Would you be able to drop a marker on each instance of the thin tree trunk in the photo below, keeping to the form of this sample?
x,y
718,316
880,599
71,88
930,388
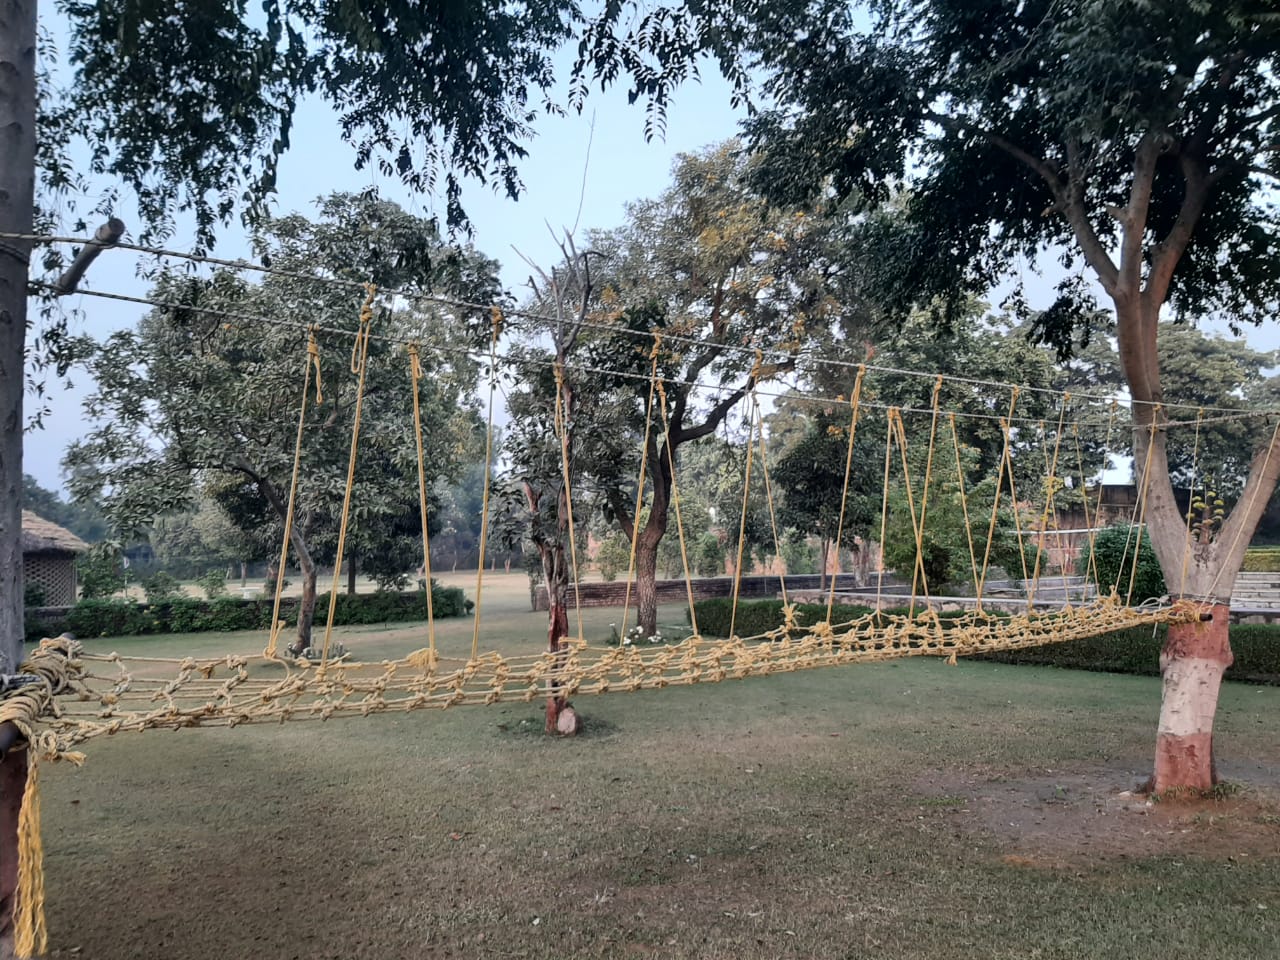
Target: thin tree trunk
x,y
17,202
351,575
306,604
647,586
556,573
244,574
13,782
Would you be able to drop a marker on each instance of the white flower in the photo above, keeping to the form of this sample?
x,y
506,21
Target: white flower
x,y
627,641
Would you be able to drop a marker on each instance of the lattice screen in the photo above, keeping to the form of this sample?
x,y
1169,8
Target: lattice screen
x,y
55,573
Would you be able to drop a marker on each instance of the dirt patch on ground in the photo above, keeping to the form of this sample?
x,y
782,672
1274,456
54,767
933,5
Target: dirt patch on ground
x,y
1066,818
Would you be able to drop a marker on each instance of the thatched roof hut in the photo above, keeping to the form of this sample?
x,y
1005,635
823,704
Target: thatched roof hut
x,y
42,536
49,559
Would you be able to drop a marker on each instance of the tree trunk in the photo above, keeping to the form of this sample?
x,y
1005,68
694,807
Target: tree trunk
x,y
306,604
351,575
823,550
647,586
13,782
556,573
17,202
244,574
1192,663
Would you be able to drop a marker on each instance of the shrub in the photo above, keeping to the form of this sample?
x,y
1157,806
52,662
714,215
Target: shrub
x,y
612,556
760,616
160,587
1262,560
100,572
1114,556
33,595
214,584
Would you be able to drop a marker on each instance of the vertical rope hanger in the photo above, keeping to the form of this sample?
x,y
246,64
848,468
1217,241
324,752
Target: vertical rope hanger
x,y
640,481
995,502
675,500
742,528
495,321
415,374
359,366
964,510
1051,480
1142,505
855,401
1191,496
562,432
768,494
313,361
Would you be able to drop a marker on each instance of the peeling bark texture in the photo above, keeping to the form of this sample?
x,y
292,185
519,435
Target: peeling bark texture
x,y
13,781
17,200
647,587
557,629
1194,658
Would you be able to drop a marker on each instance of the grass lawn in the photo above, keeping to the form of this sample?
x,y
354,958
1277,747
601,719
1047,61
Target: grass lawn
x,y
900,810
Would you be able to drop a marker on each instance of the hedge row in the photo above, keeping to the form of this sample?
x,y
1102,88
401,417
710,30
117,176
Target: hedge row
x,y
1135,650
1262,560
113,618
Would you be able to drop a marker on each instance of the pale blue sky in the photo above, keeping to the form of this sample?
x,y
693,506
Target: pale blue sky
x,y
622,166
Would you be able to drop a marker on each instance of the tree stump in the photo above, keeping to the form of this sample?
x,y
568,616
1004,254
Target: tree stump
x,y
568,722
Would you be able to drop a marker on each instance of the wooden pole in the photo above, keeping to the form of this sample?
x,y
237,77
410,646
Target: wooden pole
x,y
107,235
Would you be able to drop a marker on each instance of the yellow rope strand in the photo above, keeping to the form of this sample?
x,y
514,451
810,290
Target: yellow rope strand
x,y
359,366
1091,567
884,499
1051,480
1142,505
768,490
855,402
964,509
928,476
918,577
640,481
1191,496
562,432
496,324
415,375
313,360
742,529
995,503
675,500
30,931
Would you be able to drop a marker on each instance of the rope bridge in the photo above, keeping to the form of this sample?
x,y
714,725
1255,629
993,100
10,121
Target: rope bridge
x,y
66,697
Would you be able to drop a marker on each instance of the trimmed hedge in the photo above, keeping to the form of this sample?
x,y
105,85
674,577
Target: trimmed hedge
x,y
1135,650
113,618
1262,560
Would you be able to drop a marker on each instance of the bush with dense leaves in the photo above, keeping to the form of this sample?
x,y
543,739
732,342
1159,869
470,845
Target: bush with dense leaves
x,y
110,617
1262,560
1113,551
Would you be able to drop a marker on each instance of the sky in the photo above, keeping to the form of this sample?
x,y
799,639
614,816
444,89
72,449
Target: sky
x,y
596,161
582,169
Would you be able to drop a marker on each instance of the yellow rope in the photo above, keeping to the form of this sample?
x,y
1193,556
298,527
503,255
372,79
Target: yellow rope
x,y
359,366
884,499
1051,480
964,509
640,481
415,375
313,360
675,500
768,492
995,502
30,931
1142,503
562,432
1191,496
1091,567
918,576
855,402
496,326
928,476
742,529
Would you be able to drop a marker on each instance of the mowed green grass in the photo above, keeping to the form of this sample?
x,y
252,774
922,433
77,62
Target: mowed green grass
x,y
899,810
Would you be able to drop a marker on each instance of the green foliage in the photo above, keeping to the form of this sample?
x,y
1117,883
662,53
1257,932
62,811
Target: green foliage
x,y
1114,555
708,556
160,587
797,553
214,584
33,595
99,571
612,556
108,618
1256,648
1262,560
756,617
85,520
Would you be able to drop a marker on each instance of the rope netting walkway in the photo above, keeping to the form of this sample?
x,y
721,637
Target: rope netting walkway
x,y
67,696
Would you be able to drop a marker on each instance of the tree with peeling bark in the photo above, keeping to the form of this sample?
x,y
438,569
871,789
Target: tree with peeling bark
x,y
1134,140
542,501
716,272
206,393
